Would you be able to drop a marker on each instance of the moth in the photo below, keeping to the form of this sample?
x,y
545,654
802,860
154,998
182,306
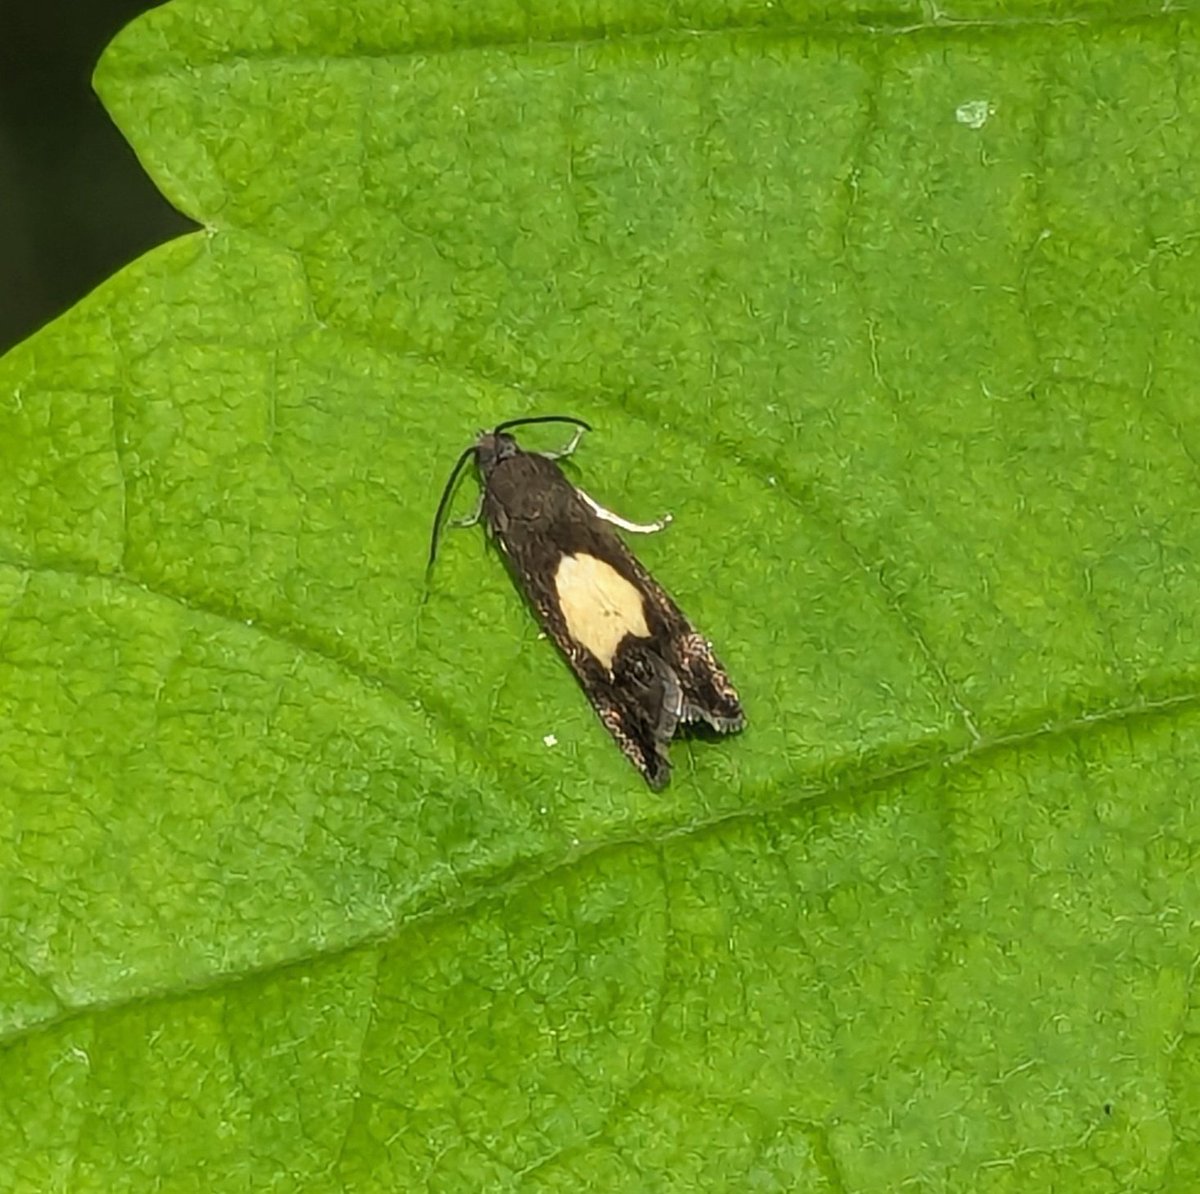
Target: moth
x,y
643,666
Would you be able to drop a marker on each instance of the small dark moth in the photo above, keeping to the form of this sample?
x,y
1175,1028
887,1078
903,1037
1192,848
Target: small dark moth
x,y
643,666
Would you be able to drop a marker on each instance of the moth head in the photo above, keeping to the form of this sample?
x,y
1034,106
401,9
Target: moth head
x,y
492,447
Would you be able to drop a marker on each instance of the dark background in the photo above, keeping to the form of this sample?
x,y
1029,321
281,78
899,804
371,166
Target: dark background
x,y
75,204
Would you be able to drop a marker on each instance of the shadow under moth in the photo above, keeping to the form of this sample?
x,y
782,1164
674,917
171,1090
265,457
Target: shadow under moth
x,y
643,666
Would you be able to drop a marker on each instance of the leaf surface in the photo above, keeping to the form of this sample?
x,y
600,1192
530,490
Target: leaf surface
x,y
895,311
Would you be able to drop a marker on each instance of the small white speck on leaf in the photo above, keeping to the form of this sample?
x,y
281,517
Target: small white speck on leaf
x,y
974,113
550,740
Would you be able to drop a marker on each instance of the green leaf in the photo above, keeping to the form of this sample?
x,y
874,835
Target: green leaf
x,y
894,306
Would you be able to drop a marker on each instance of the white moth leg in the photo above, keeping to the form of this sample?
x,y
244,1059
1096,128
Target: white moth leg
x,y
636,528
471,519
568,449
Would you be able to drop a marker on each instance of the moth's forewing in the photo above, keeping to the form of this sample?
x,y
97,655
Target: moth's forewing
x,y
640,662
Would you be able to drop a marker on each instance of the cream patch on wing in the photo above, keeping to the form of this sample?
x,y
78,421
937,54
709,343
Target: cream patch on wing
x,y
599,605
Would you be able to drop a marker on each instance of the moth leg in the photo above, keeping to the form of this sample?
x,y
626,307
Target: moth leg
x,y
471,519
636,528
568,449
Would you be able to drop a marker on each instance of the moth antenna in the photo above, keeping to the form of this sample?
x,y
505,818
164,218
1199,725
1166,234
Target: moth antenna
x,y
444,502
540,419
